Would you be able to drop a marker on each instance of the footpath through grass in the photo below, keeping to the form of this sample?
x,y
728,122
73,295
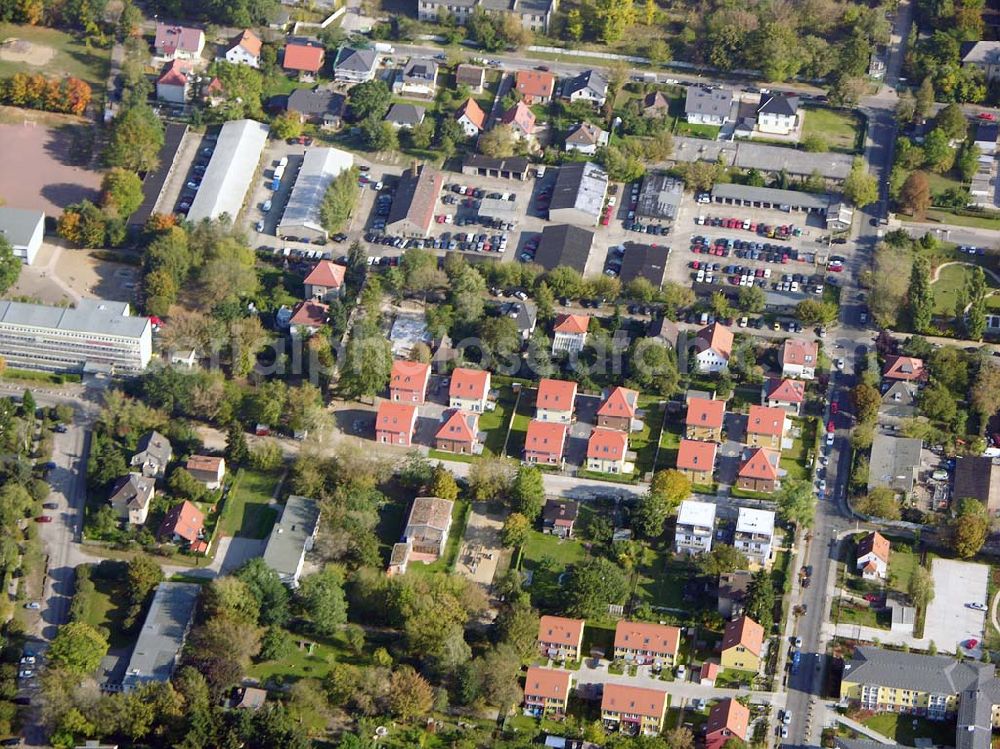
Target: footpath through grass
x,y
247,510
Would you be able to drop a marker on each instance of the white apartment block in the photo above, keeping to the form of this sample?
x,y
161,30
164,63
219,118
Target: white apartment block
x,y
695,527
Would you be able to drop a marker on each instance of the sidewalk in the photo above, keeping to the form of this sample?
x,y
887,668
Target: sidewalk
x,y
864,730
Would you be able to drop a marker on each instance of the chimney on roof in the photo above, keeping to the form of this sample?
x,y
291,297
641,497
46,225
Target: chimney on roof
x,y
413,167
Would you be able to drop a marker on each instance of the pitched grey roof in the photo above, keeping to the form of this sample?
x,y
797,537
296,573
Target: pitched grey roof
x,y
420,70
18,225
591,79
936,674
975,713
714,102
317,102
291,536
894,462
644,261
981,53
899,401
155,446
524,315
163,633
585,134
405,114
358,60
582,185
563,244
135,490
779,104
812,201
230,170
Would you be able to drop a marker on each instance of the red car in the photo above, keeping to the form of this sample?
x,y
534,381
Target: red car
x,y
972,643
830,427
834,407
43,519
872,597
987,116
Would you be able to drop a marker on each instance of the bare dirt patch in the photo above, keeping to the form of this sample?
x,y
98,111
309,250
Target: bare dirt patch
x,y
23,51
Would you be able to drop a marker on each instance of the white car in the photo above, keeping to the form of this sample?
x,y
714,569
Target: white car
x,y
701,276
795,286
786,717
267,206
821,484
840,364
612,201
829,439
783,732
798,642
681,671
976,605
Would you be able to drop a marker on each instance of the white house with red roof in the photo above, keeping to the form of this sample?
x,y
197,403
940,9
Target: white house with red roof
x,y
696,460
759,470
469,389
175,83
713,346
408,381
607,450
569,335
308,317
545,442
873,556
244,49
767,427
798,358
905,368
471,117
325,281
784,393
555,400
178,42
459,433
395,423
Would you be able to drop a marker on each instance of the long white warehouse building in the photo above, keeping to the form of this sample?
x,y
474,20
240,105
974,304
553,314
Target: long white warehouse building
x,y
97,334
230,170
320,167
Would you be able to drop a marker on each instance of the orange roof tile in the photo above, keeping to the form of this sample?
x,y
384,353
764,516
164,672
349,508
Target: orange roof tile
x,y
572,324
746,632
799,351
184,520
397,418
654,638
560,630
766,420
785,390
469,384
716,336
709,670
621,698
695,455
760,463
620,402
903,368
729,715
545,437
205,463
556,395
409,375
311,314
176,73
548,683
326,274
702,412
473,112
460,426
303,57
874,543
535,83
607,444
249,41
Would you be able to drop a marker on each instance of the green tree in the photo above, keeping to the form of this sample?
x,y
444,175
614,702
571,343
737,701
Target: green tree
x,y
442,483
970,527
722,559
760,600
595,584
880,502
921,297
527,493
322,596
975,321
498,143
924,99
182,484
267,589
654,367
860,187
286,125
368,364
951,121
339,200
921,588
866,401
121,192
237,451
938,153
815,312
370,100
410,694
796,502
135,141
10,266
613,18
143,576
516,530
379,135
751,299
78,648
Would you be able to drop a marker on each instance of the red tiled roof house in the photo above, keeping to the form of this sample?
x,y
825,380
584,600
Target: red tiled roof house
x,y
471,117
207,469
555,401
767,426
607,450
303,58
728,719
873,556
560,638
633,710
696,460
408,381
534,86
759,470
783,393
905,368
742,645
458,433
704,419
546,691
395,423
569,334
183,522
178,42
713,347
644,643
325,281
544,443
469,389
618,409
798,358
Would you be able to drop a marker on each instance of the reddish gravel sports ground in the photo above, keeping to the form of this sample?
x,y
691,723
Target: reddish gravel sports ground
x,y
35,171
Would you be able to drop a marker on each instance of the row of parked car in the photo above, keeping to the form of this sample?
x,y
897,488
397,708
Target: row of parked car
x,y
194,180
765,230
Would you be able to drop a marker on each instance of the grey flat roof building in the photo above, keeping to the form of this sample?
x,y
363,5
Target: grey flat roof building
x,y
230,170
23,228
578,196
319,168
164,630
564,245
660,196
99,332
291,537
770,197
894,462
764,158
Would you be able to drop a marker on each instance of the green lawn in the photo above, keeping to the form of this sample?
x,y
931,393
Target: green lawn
x,y
108,609
708,132
660,580
793,461
977,222
71,55
941,182
459,519
901,728
519,426
300,664
644,442
495,422
670,441
246,511
837,128
866,616
548,558
902,563
950,280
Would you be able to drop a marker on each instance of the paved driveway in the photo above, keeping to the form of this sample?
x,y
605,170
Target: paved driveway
x,y
949,621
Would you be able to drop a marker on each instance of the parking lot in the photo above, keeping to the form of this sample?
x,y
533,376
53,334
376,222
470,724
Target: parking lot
x,y
950,622
186,172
